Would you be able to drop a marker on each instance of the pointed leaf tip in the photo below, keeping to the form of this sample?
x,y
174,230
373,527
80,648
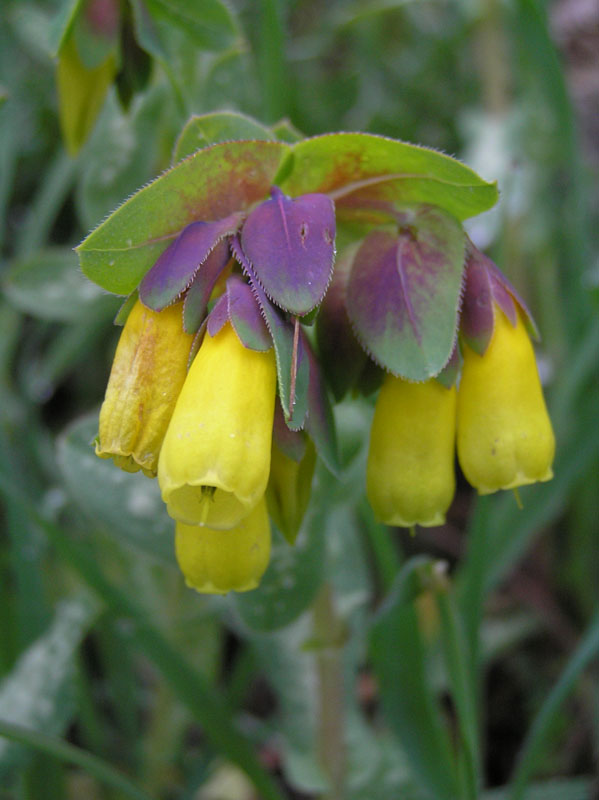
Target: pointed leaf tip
x,y
202,285
246,316
174,270
289,374
290,243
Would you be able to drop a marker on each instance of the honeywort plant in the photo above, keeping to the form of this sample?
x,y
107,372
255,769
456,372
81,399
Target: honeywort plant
x,y
219,383
357,668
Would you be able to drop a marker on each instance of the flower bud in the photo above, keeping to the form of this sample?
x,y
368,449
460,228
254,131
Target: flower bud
x,y
217,562
505,438
215,459
289,488
410,474
147,374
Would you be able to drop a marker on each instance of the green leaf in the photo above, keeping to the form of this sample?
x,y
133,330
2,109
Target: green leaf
x,y
221,126
464,689
62,24
208,185
558,789
49,285
70,754
54,187
190,685
208,23
81,92
146,32
97,35
408,699
285,131
586,652
135,514
359,169
291,671
115,164
37,694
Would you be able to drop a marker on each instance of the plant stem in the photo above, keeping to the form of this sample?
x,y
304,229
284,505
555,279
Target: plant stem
x,y
491,47
330,733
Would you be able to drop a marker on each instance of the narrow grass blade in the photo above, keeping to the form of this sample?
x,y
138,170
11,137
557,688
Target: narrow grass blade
x,y
202,698
587,650
37,693
463,688
64,751
400,664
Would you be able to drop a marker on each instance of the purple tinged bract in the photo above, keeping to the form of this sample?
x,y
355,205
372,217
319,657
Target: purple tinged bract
x,y
293,372
175,269
239,307
486,288
404,290
290,243
200,289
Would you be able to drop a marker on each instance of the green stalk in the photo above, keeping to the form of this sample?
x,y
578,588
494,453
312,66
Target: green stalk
x,y
330,734
64,751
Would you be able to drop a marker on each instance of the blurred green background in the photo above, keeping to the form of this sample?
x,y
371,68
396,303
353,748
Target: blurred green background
x,y
359,669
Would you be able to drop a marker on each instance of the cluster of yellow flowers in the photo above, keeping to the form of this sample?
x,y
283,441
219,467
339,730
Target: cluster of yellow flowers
x,y
206,433
203,425
497,414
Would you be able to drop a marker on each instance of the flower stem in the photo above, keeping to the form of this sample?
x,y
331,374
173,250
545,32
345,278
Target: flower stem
x,y
330,732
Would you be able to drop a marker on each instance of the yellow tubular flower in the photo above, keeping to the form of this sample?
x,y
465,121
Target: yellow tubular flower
x,y
505,437
410,476
217,562
215,459
147,374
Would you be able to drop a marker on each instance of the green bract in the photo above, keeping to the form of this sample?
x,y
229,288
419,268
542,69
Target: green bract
x,y
356,169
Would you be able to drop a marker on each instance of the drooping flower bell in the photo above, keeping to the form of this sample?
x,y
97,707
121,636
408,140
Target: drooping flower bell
x,y
217,562
402,299
410,474
292,465
504,433
147,374
215,459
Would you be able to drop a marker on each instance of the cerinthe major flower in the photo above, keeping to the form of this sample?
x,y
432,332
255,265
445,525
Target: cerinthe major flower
x,y
232,430
504,434
217,562
147,374
215,460
396,285
505,438
410,474
207,431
